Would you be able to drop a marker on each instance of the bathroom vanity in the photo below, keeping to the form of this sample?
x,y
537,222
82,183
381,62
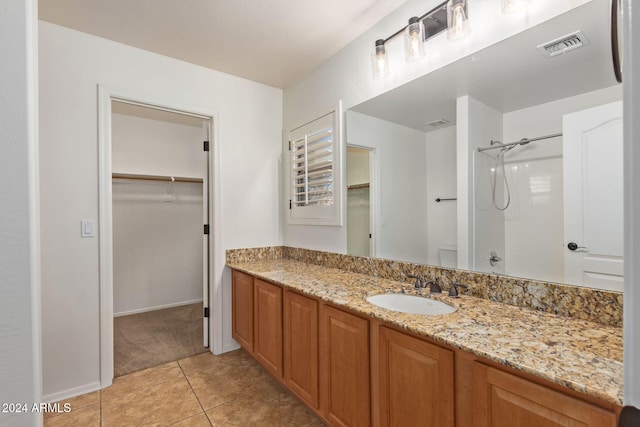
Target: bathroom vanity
x,y
486,364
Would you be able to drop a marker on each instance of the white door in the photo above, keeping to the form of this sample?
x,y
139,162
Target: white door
x,y
207,233
593,197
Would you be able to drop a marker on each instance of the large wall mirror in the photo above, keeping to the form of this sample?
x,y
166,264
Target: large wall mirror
x,y
508,161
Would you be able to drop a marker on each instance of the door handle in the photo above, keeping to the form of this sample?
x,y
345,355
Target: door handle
x,y
572,246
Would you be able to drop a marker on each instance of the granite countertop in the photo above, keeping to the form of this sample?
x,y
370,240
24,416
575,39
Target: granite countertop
x,y
581,355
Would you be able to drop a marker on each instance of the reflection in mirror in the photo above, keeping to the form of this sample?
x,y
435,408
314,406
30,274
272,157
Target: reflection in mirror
x,y
545,209
359,200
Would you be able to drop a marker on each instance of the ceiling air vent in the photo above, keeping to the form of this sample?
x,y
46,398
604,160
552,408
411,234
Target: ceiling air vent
x,y
436,123
563,44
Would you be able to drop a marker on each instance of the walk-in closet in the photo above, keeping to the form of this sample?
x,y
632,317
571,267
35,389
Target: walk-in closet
x,y
158,208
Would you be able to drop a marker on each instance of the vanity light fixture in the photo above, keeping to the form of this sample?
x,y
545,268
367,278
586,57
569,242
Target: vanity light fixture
x,y
414,40
380,61
416,33
510,6
457,20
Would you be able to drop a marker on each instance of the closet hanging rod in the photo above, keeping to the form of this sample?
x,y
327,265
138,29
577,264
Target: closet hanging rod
x,y
155,177
356,186
521,142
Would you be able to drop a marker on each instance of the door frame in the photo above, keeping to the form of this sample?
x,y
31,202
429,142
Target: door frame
x,y
105,228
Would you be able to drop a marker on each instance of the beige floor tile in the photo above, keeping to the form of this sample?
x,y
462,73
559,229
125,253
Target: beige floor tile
x,y
214,386
200,420
162,404
77,402
88,416
167,373
269,405
207,361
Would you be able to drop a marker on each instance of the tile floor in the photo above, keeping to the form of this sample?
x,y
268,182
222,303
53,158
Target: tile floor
x,y
203,390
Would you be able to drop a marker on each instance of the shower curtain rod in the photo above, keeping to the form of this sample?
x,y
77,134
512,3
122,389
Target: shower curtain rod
x,y
521,142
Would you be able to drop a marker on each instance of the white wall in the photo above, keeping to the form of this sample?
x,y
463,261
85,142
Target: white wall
x,y
347,76
536,218
154,147
480,227
399,190
248,129
20,366
157,245
441,183
157,226
357,166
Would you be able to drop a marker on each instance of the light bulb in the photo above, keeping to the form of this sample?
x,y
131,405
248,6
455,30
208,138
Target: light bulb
x,y
510,6
414,40
457,20
379,61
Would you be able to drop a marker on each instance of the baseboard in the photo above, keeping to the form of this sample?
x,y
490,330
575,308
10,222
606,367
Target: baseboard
x,y
158,307
230,346
72,392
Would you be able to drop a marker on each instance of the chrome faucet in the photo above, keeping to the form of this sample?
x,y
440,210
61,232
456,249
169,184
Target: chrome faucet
x,y
453,290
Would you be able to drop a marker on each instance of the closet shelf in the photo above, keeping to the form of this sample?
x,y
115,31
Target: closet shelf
x,y
155,177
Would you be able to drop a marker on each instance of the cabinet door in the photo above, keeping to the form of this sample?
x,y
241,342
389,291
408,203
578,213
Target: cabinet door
x,y
344,368
501,399
242,309
301,346
415,380
267,344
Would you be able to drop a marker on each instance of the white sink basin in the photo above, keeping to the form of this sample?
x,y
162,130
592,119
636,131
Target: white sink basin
x,y
410,304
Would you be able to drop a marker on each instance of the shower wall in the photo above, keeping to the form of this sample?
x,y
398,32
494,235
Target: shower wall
x,y
480,231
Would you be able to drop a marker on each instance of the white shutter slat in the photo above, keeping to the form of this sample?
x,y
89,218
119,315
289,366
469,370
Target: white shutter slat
x,y
312,138
323,182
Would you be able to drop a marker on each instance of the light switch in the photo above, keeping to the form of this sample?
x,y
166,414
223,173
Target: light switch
x,y
88,228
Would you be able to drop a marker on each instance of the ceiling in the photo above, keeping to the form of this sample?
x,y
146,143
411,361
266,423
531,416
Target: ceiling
x,y
509,75
275,42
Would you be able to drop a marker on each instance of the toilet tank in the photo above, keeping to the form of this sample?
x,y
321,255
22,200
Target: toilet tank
x,y
448,256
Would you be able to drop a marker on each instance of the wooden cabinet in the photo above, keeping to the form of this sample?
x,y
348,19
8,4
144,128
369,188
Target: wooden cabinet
x,y
501,399
344,368
327,357
414,381
300,335
242,309
267,338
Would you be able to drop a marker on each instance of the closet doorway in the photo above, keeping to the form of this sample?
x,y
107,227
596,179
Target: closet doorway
x,y
360,200
160,211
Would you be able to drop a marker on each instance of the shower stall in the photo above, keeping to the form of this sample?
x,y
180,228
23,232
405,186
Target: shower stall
x,y
518,208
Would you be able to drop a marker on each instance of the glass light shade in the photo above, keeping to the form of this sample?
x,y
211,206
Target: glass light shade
x,y
510,6
380,61
414,40
457,20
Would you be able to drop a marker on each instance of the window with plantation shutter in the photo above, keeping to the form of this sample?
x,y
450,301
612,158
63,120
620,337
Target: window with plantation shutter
x,y
314,164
